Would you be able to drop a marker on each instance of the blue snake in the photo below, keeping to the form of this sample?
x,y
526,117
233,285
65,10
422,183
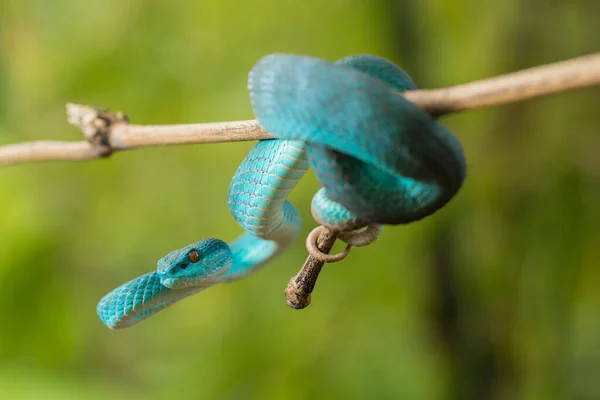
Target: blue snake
x,y
379,158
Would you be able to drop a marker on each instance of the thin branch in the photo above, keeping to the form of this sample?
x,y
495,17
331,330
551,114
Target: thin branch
x,y
299,289
508,88
132,136
533,82
45,150
121,135
538,81
107,132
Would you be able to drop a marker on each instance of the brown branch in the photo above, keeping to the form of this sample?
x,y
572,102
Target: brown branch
x,y
533,82
107,132
299,289
509,88
538,81
44,150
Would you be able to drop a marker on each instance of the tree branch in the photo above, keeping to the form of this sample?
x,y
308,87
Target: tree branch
x,y
576,73
107,132
120,135
299,289
563,76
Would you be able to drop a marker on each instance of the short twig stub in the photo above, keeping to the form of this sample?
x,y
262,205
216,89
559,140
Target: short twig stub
x,y
96,124
299,289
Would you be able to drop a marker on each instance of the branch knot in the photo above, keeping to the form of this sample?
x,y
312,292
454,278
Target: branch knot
x,y
97,125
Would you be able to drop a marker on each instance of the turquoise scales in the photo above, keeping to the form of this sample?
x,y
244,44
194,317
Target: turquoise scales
x,y
379,158
257,200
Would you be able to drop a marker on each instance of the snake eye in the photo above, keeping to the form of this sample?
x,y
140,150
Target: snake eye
x,y
194,256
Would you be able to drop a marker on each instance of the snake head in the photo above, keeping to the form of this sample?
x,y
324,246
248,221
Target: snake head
x,y
199,264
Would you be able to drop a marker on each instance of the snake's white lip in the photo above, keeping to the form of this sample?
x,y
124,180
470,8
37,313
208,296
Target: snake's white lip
x,y
172,282
167,281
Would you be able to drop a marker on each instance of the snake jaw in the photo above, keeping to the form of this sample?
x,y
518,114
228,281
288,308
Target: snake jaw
x,y
184,281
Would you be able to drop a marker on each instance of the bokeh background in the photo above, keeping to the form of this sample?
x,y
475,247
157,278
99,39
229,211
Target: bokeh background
x,y
496,296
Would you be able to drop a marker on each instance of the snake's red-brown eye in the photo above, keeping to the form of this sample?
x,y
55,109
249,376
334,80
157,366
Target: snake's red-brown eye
x,y
194,256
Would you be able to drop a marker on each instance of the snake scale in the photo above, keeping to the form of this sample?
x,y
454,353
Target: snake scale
x,y
379,158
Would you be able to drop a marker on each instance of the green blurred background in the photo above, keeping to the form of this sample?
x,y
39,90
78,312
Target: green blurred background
x,y
494,297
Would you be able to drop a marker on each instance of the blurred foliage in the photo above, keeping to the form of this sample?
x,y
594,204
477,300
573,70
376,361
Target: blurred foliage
x,y
496,296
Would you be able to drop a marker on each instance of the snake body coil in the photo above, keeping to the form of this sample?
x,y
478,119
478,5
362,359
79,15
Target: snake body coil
x,y
379,158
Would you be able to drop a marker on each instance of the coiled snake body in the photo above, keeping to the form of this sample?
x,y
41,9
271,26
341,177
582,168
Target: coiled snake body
x,y
379,158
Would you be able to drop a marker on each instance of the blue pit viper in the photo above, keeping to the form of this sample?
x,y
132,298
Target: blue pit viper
x,y
379,158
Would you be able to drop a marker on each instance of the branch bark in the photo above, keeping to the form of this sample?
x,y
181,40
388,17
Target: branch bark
x,y
106,132
526,84
299,289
